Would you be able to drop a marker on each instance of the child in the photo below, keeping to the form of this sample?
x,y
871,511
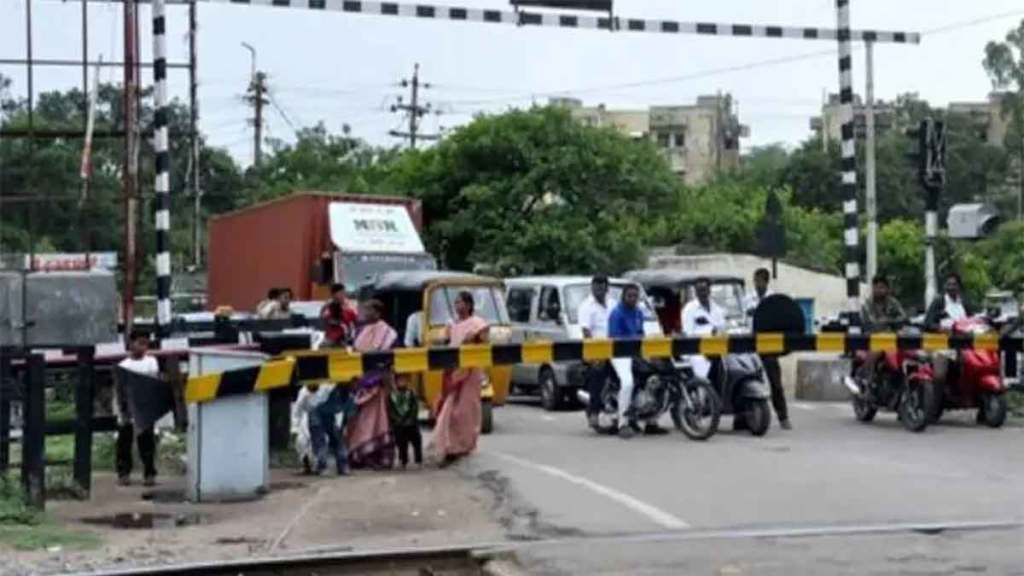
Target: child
x,y
308,399
403,411
140,362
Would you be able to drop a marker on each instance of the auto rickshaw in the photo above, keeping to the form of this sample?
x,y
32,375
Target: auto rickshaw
x,y
432,293
670,290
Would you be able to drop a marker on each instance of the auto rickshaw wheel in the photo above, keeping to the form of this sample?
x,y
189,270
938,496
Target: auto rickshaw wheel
x,y
486,416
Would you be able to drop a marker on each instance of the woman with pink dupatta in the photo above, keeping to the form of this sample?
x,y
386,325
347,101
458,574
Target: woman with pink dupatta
x,y
368,435
458,413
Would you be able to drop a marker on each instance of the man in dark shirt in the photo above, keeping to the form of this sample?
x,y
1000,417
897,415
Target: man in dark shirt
x,y
881,313
627,321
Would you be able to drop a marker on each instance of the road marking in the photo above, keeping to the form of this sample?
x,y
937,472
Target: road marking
x,y
658,516
547,418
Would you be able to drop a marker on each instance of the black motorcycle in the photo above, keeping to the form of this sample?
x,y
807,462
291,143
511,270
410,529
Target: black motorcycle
x,y
660,387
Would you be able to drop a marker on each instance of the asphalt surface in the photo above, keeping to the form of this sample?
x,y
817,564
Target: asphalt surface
x,y
832,496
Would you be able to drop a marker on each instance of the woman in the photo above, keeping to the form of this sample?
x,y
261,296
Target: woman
x,y
458,413
368,435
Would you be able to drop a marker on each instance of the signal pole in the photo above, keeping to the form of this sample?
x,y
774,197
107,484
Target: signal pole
x,y
413,110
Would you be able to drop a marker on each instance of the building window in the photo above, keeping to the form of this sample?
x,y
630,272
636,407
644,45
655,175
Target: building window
x,y
664,140
680,140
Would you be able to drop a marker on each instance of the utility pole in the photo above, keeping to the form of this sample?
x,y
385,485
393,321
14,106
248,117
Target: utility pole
x,y
413,110
193,94
871,192
257,99
129,180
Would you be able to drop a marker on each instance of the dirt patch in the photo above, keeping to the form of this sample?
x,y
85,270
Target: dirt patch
x,y
144,520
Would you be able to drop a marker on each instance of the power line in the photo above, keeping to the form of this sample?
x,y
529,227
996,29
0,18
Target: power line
x,y
414,111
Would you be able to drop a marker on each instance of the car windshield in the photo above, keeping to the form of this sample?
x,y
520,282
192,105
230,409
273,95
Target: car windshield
x,y
489,303
360,269
575,294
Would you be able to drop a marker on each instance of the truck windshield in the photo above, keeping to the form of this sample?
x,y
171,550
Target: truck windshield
x,y
356,270
488,300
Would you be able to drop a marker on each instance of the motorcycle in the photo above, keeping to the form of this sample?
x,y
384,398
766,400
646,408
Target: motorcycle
x,y
739,380
973,380
659,388
901,382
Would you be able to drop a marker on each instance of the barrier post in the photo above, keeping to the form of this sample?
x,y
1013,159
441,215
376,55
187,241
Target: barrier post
x,y
33,439
85,393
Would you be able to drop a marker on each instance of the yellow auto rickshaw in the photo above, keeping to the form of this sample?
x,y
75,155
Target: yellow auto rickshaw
x,y
431,294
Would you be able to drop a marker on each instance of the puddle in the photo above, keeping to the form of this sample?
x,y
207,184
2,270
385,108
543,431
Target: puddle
x,y
164,496
144,520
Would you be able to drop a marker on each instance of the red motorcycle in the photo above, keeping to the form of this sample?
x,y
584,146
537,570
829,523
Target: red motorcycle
x,y
973,380
901,382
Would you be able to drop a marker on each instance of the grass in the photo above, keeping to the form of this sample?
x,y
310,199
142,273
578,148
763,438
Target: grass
x,y
25,528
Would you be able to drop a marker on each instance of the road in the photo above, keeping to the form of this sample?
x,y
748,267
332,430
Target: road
x,y
831,496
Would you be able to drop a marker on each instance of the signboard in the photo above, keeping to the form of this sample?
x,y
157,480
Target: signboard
x,y
373,228
62,261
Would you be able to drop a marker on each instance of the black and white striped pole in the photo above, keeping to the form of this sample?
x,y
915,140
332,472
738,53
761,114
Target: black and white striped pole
x,y
162,185
851,232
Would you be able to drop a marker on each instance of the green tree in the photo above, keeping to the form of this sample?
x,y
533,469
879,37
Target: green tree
x,y
539,192
1004,63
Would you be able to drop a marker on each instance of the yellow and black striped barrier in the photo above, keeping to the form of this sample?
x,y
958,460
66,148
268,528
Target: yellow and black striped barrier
x,y
338,365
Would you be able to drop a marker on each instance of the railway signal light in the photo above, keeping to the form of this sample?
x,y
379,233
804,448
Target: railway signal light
x,y
930,155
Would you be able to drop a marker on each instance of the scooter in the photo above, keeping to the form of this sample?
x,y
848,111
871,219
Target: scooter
x,y
901,382
741,383
659,387
973,380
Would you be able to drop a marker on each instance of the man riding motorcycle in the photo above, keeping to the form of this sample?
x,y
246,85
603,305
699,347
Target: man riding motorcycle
x,y
627,321
942,313
881,313
702,317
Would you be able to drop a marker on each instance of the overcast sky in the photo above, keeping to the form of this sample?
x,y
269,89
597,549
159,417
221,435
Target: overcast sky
x,y
344,68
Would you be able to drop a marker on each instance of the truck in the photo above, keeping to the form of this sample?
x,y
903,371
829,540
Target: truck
x,y
309,240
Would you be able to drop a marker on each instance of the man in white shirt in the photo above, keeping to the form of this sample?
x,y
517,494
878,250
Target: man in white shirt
x,y
593,319
413,330
140,362
702,317
771,363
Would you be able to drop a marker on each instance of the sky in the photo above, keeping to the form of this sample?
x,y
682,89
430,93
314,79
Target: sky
x,y
346,69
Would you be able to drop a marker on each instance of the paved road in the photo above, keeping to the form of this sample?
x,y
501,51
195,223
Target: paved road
x,y
811,500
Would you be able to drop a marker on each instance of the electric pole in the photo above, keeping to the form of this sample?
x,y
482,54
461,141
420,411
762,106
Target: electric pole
x,y
413,110
257,99
129,180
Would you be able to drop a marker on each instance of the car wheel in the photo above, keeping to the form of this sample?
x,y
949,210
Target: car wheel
x,y
550,395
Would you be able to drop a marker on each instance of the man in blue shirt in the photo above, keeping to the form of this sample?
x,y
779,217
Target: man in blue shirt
x,y
627,321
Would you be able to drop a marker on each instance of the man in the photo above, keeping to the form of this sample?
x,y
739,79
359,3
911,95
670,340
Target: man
x,y
339,318
626,320
140,362
278,306
762,277
265,306
942,313
881,313
702,317
413,330
949,307
593,318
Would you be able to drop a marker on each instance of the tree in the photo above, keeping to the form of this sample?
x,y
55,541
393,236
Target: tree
x,y
538,192
1004,62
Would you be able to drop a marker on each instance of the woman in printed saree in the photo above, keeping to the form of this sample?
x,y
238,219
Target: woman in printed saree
x,y
368,435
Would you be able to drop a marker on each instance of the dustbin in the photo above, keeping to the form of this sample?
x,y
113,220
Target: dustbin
x,y
807,307
228,449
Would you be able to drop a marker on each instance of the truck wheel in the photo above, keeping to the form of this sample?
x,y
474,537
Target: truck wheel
x,y
550,395
486,416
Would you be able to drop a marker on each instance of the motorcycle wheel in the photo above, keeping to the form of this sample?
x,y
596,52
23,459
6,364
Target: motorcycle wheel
x,y
993,409
697,413
916,407
758,417
863,409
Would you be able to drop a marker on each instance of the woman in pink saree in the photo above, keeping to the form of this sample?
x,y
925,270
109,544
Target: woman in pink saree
x,y
368,435
458,413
